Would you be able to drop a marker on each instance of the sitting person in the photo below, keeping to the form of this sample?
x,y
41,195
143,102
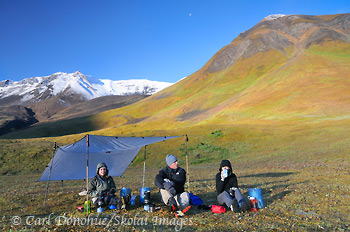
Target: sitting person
x,y
227,188
102,188
171,180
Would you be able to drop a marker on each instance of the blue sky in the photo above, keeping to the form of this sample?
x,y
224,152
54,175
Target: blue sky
x,y
162,40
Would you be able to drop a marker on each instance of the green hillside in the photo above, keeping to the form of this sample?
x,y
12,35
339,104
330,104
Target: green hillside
x,y
274,108
263,88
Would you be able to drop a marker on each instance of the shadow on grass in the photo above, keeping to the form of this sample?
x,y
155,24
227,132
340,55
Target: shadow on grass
x,y
54,129
270,174
272,189
276,185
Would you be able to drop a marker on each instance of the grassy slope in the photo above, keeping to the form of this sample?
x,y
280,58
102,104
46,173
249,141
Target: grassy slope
x,y
263,88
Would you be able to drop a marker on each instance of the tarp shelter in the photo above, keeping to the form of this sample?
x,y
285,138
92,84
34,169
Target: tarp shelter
x,y
69,162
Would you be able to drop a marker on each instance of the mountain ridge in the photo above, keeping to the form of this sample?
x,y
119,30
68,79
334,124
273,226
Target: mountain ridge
x,y
41,98
34,89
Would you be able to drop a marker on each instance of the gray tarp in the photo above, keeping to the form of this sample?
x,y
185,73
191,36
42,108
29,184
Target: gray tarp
x,y
69,162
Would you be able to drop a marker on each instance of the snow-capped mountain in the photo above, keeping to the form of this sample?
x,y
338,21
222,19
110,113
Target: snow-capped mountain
x,y
35,89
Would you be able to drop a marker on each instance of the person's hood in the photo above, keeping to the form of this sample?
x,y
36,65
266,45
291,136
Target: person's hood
x,y
225,163
100,165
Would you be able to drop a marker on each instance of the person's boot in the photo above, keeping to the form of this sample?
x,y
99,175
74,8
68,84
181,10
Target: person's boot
x,y
245,207
172,203
186,209
234,207
117,202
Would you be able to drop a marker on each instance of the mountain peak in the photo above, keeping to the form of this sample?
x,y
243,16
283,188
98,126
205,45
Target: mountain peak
x,y
280,32
5,83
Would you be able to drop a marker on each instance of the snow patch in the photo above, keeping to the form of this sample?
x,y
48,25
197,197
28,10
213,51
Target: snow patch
x,y
127,87
274,16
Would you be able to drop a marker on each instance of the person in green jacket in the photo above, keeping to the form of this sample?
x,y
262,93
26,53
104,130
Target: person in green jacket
x,y
102,188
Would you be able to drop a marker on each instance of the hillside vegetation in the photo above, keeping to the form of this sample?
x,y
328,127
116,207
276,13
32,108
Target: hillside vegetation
x,y
266,88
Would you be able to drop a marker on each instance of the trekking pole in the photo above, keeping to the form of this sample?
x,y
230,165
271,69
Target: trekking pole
x,y
188,173
48,182
144,168
87,174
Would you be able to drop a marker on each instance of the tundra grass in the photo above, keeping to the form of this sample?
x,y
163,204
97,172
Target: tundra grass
x,y
302,169
314,197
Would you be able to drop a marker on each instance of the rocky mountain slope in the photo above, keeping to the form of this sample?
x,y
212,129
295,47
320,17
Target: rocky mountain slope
x,y
96,105
15,117
280,33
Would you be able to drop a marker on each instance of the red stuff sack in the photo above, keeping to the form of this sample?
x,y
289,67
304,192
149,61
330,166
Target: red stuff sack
x,y
218,209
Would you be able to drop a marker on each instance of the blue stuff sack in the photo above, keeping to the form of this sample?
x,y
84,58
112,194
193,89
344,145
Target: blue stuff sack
x,y
195,200
257,194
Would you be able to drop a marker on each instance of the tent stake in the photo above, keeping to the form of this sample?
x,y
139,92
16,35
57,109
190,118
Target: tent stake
x,y
87,174
48,182
144,168
188,173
